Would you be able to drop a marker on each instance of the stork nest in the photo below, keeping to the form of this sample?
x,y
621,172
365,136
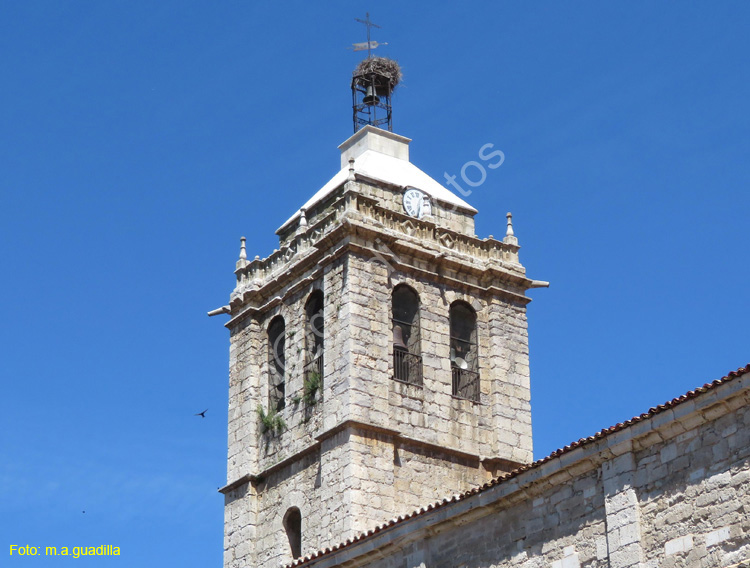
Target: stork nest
x,y
385,70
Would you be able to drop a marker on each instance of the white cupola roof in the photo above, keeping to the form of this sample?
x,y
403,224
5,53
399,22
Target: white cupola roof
x,y
382,156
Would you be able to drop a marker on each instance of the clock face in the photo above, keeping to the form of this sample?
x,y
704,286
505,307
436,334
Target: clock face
x,y
416,203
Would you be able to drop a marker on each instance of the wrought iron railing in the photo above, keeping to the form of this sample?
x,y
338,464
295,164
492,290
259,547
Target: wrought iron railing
x,y
465,384
314,366
407,367
312,376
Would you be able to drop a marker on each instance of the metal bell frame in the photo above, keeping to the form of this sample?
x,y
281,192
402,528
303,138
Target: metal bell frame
x,y
371,101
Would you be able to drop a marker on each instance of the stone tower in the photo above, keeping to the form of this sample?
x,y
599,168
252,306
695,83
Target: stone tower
x,y
378,360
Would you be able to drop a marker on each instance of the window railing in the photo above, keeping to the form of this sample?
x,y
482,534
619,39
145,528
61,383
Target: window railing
x,y
314,366
407,367
312,380
465,384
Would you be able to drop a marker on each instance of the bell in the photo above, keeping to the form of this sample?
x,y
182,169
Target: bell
x,y
398,337
370,97
461,363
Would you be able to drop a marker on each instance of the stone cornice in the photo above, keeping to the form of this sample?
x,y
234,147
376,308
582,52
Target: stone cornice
x,y
264,293
397,438
267,282
353,204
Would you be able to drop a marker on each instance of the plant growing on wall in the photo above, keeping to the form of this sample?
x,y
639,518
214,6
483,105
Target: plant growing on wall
x,y
311,388
271,421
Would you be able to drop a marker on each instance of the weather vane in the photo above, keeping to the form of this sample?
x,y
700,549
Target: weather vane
x,y
369,45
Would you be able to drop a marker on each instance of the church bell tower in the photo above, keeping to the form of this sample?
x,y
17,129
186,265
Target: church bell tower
x,y
378,359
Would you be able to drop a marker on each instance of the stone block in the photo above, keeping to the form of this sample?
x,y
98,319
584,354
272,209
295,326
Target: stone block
x,y
677,545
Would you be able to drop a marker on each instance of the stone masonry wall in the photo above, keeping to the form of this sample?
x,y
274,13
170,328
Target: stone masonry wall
x,y
244,392
348,485
672,491
250,450
498,426
694,495
354,481
558,524
253,527
369,447
392,478
510,394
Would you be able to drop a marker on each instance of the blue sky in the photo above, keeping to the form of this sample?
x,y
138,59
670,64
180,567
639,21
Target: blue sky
x,y
142,139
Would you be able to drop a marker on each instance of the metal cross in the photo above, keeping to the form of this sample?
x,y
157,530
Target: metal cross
x,y
369,25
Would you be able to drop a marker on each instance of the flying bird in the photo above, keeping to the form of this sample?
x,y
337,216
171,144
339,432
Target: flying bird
x,y
201,414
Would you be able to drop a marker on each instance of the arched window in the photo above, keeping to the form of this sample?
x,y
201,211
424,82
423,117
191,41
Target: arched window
x,y
276,364
463,352
293,528
314,343
407,357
